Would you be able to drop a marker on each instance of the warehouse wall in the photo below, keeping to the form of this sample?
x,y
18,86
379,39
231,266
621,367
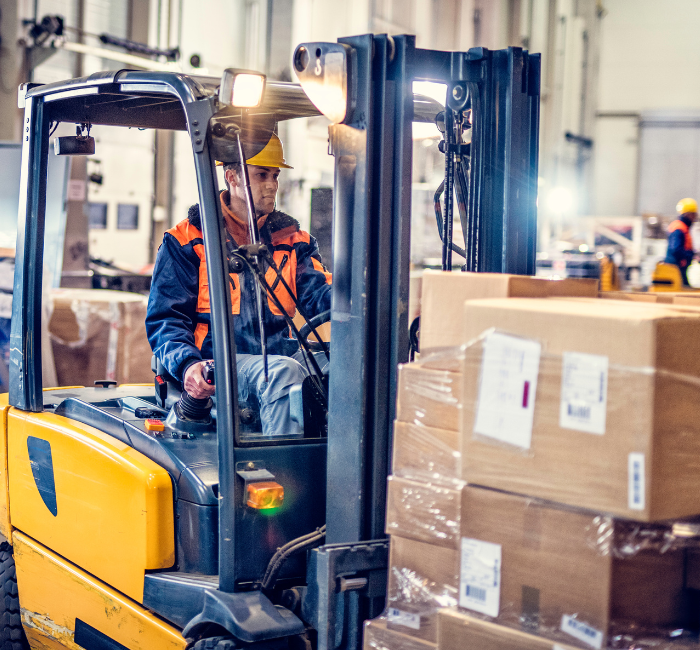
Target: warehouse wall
x,y
648,61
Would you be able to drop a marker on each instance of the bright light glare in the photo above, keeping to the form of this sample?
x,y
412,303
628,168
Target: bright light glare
x,y
560,200
331,100
328,88
435,91
583,248
425,130
247,90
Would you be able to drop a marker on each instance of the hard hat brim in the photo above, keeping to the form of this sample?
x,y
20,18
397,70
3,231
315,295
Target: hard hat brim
x,y
279,165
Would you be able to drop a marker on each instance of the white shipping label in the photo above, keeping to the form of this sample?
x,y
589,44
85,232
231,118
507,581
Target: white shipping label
x,y
506,405
407,619
636,485
582,631
480,576
584,392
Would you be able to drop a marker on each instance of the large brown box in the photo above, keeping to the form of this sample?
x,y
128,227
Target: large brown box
x,y
99,334
429,397
378,635
692,568
644,465
444,294
457,631
422,579
635,296
427,512
425,453
566,568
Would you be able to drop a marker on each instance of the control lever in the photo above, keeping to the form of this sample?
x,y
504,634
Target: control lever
x,y
192,408
208,372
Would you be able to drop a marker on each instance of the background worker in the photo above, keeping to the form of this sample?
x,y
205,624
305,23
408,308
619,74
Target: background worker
x,y
178,317
680,243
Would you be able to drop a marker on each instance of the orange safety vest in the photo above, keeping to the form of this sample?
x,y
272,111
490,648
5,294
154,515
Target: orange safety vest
x,y
682,226
284,252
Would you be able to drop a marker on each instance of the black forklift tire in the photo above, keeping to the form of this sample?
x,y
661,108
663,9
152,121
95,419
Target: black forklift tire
x,y
212,643
12,635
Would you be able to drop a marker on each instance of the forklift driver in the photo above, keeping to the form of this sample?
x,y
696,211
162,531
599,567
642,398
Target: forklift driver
x,y
178,317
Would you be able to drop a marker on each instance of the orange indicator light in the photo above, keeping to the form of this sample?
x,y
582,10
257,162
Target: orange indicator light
x,y
154,425
265,496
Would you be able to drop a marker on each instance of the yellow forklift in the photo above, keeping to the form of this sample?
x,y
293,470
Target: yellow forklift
x,y
131,523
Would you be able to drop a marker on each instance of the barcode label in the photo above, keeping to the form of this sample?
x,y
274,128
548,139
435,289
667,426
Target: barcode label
x,y
579,412
507,389
636,482
584,392
407,619
480,576
582,631
475,592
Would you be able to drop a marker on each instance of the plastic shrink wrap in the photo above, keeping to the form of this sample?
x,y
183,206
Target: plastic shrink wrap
x,y
592,403
99,334
558,573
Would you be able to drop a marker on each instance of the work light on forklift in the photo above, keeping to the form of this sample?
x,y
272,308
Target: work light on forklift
x,y
265,496
325,74
241,88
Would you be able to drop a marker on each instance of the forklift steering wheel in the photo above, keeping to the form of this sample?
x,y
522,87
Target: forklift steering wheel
x,y
305,331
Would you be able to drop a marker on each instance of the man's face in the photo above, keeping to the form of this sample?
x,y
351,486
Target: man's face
x,y
263,187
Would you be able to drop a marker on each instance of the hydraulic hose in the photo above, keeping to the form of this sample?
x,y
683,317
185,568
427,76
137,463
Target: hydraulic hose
x,y
438,216
311,540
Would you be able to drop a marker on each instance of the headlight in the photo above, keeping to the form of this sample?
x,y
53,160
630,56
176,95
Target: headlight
x,y
241,88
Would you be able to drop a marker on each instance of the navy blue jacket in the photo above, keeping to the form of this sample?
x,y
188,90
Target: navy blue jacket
x,y
178,318
680,245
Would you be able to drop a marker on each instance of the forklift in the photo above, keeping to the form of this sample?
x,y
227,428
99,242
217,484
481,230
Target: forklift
x,y
130,519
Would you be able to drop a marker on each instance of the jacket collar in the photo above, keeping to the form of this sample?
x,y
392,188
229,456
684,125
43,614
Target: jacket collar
x,y
278,224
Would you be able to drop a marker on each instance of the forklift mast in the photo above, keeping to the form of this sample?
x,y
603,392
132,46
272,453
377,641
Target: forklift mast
x,y
371,253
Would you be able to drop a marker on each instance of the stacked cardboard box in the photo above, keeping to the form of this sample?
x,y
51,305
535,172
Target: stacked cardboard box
x,y
99,334
574,426
444,294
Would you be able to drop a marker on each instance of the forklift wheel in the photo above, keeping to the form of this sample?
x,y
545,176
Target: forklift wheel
x,y
12,635
212,643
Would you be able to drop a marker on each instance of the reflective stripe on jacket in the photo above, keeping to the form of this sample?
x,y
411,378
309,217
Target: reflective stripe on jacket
x,y
178,318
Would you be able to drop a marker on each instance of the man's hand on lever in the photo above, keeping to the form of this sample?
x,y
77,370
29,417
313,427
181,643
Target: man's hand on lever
x,y
194,382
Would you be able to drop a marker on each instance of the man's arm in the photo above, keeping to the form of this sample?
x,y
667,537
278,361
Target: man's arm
x,y
313,281
172,307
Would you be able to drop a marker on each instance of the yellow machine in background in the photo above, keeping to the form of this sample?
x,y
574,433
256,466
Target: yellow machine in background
x,y
667,277
609,274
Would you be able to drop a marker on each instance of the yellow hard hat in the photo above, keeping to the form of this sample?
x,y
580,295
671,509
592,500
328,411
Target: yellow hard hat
x,y
272,155
686,205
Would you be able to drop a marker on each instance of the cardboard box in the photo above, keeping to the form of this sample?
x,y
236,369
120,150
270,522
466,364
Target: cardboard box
x,y
692,569
428,397
426,512
457,631
378,636
638,455
635,296
425,453
444,294
99,334
422,579
566,574
688,299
